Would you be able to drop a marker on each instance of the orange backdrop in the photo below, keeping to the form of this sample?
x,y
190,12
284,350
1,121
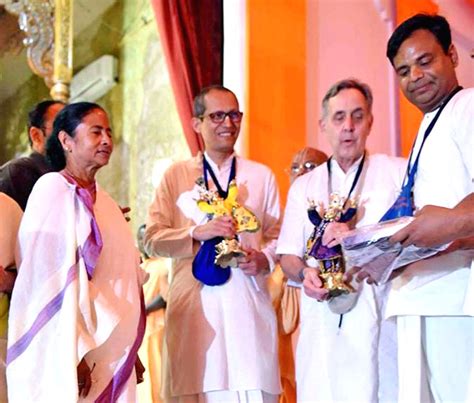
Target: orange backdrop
x,y
410,116
276,80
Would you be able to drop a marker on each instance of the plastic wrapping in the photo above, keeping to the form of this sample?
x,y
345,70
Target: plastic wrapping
x,y
368,247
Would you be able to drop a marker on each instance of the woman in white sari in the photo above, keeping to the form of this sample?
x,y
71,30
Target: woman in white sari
x,y
76,316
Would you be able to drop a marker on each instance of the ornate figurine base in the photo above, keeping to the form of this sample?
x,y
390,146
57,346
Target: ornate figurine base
x,y
332,273
335,285
227,252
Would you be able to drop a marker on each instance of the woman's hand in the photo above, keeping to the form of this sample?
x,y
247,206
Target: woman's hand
x,y
139,370
84,380
125,211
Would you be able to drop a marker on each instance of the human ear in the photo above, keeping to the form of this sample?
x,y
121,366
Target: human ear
x,y
322,124
371,120
37,138
65,140
453,55
196,124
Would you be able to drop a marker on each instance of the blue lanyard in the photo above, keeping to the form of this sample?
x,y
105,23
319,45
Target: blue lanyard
x,y
409,178
354,182
207,168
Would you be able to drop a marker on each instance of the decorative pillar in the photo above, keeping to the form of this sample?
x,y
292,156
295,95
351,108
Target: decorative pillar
x,y
63,41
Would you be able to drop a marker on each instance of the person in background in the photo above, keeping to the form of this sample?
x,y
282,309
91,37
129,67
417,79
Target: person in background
x,y
304,161
18,176
10,217
286,294
220,341
77,315
344,350
155,292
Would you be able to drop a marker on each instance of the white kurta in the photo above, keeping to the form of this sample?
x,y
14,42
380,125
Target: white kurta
x,y
223,337
441,286
332,363
57,315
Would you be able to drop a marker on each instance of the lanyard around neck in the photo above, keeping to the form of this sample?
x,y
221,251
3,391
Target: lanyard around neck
x,y
354,182
207,168
411,170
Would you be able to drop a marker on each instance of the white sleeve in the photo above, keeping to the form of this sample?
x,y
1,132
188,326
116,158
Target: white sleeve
x,y
292,239
463,130
272,221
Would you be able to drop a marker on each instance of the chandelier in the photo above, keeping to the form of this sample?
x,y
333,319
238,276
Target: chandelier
x,y
47,25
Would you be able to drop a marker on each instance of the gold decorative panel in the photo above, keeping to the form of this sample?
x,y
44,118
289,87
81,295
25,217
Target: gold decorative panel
x,y
47,25
36,20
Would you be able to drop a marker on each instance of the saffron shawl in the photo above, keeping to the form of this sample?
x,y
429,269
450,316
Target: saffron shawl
x,y
74,298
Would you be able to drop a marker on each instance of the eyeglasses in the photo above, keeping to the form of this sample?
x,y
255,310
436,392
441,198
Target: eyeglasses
x,y
307,166
219,116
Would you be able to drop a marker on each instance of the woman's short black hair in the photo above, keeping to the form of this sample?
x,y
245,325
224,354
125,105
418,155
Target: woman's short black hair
x,y
66,120
436,24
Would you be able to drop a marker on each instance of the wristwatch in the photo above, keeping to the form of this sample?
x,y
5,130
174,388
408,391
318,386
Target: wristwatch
x,y
301,274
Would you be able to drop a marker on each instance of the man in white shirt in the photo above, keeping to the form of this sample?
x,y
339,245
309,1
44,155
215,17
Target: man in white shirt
x,y
337,356
433,298
220,341
286,294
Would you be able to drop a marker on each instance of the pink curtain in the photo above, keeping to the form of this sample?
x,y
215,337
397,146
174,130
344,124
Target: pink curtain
x,y
192,36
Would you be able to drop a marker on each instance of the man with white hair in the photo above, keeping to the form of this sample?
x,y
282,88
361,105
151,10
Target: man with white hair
x,y
337,357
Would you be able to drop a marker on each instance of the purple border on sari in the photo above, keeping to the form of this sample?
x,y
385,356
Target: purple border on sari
x,y
89,252
51,308
115,387
92,248
93,244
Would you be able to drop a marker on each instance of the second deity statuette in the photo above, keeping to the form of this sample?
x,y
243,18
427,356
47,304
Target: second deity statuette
x,y
228,250
330,260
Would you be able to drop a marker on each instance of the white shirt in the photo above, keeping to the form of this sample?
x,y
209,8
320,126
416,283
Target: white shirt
x,y
385,173
341,363
439,286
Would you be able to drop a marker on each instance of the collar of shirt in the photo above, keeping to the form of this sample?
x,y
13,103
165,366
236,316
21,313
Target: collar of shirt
x,y
353,168
341,181
222,173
